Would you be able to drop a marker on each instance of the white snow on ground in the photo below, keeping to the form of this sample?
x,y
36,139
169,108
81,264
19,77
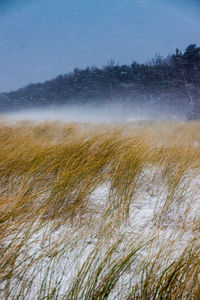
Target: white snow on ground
x,y
76,243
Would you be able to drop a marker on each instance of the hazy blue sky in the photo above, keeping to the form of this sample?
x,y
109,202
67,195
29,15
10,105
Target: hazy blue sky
x,y
40,39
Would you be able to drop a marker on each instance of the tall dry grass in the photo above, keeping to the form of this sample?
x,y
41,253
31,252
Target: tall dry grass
x,y
99,211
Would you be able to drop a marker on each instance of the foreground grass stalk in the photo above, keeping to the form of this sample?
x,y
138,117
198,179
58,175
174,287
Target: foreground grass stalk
x,y
109,212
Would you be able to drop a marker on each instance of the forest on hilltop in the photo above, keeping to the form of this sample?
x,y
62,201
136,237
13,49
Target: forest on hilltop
x,y
173,81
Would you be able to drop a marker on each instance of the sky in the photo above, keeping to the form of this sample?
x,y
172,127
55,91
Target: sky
x,y
40,39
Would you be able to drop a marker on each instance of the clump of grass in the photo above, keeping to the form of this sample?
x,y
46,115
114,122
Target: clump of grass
x,y
59,241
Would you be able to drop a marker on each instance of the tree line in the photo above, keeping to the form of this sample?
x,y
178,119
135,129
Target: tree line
x,y
173,80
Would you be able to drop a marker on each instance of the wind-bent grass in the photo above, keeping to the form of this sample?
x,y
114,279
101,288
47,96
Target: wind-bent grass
x,y
97,212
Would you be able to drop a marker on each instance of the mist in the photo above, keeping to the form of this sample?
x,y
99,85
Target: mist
x,y
101,113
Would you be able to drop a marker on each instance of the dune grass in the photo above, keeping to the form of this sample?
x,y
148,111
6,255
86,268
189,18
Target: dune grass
x,y
100,211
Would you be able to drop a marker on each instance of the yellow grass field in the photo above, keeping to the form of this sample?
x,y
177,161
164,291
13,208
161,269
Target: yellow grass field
x,y
100,211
